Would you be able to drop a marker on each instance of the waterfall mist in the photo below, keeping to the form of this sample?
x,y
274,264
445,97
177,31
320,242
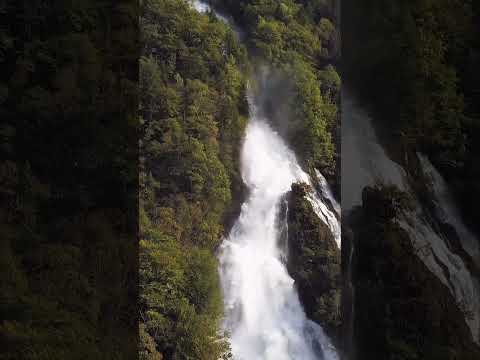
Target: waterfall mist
x,y
263,312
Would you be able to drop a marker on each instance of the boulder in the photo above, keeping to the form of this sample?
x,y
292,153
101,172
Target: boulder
x,y
314,262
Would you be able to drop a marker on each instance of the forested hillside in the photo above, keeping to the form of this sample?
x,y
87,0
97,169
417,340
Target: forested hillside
x,y
192,113
300,41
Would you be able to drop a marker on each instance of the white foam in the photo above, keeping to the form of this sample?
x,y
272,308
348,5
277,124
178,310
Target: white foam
x,y
263,312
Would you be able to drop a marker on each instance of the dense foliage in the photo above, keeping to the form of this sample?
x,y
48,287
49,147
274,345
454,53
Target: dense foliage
x,y
300,40
193,110
68,166
192,113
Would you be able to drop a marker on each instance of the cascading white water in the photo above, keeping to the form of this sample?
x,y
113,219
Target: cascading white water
x,y
263,313
203,7
326,192
365,163
200,6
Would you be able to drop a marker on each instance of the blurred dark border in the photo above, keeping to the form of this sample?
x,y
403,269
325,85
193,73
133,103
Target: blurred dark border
x,y
69,179
413,66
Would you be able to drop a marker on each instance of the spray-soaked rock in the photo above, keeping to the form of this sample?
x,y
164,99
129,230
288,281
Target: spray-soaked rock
x,y
314,261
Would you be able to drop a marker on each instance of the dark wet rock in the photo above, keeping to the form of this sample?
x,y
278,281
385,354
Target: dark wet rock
x,y
402,311
314,262
384,203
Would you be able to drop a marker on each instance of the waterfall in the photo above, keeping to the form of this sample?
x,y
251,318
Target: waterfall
x,y
263,313
327,216
200,6
326,191
203,7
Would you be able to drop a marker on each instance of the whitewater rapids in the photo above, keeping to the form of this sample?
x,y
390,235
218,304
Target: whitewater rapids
x,y
263,312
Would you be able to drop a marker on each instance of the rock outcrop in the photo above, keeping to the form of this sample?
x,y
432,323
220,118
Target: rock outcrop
x,y
314,262
401,308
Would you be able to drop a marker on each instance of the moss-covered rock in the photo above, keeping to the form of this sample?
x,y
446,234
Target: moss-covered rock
x,y
314,262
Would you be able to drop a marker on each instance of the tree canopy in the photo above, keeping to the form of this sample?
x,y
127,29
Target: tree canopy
x,y
192,113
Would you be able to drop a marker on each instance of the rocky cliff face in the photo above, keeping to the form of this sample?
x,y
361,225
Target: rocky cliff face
x,y
314,262
401,308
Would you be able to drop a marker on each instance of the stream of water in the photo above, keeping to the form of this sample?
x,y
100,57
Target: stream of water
x,y
263,313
